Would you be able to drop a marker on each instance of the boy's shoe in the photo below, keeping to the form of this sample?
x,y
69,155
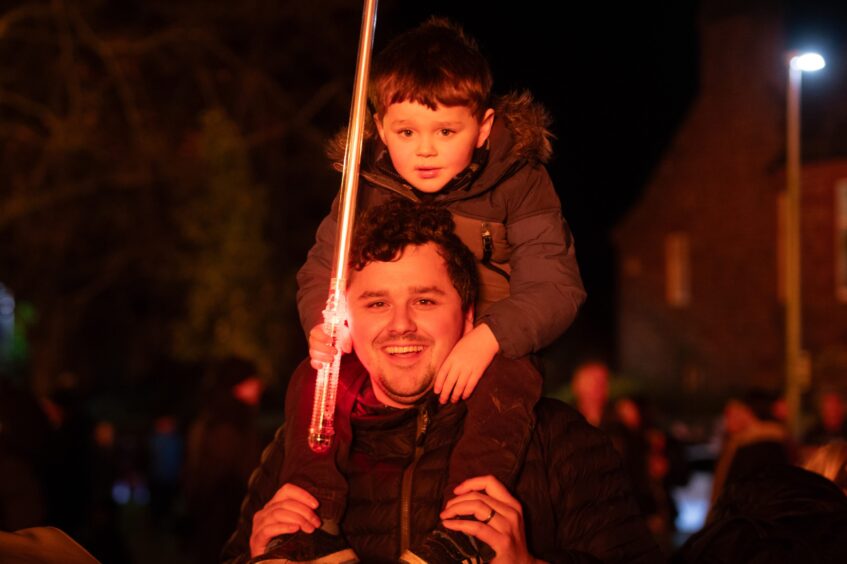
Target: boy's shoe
x,y
319,547
444,546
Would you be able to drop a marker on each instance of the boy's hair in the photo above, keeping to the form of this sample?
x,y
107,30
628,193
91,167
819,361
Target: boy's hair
x,y
384,232
434,63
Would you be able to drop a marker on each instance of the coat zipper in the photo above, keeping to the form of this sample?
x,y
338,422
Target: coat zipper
x,y
406,488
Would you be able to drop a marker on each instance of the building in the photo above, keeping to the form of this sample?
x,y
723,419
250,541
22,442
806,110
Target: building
x,y
700,255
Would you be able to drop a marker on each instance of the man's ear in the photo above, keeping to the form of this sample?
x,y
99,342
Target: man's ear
x,y
485,125
468,321
379,128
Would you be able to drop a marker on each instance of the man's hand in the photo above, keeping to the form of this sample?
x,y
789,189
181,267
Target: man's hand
x,y
320,345
464,366
499,517
291,509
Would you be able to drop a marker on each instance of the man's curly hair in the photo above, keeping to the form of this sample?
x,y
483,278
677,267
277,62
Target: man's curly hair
x,y
384,231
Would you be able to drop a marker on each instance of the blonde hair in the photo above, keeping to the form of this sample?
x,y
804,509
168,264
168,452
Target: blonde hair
x,y
830,461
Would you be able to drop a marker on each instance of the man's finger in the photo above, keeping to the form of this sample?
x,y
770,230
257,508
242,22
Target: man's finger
x,y
488,484
487,534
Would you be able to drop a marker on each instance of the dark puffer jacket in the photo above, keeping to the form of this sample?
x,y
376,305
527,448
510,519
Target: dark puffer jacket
x,y
506,211
577,503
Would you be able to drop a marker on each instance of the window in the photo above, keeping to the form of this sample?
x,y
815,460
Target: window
x,y
677,269
841,240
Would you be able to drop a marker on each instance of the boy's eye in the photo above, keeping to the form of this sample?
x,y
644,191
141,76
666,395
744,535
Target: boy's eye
x,y
447,132
405,132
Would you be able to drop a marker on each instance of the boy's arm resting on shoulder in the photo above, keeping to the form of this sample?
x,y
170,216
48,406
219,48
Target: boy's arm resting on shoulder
x,y
313,278
545,289
597,516
261,487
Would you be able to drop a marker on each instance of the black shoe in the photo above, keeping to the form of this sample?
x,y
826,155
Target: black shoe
x,y
444,546
319,547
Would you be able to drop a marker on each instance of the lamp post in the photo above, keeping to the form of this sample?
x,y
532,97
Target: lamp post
x,y
796,369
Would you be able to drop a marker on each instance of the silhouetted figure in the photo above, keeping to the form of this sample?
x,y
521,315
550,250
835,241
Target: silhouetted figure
x,y
781,515
831,423
166,451
70,466
754,440
590,386
653,461
223,448
24,431
104,539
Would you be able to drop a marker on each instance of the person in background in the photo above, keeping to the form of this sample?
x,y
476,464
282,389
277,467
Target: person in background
x,y
780,514
754,440
223,447
654,461
590,387
166,462
24,432
831,423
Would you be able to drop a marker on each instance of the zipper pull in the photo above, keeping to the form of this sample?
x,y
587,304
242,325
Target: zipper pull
x,y
423,425
487,243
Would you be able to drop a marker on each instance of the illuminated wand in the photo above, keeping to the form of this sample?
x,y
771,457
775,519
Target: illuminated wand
x,y
321,429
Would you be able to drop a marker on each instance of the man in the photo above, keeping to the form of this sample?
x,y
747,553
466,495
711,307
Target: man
x,y
590,385
754,441
410,299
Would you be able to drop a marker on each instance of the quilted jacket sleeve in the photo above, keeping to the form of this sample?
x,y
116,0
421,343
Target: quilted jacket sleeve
x,y
545,287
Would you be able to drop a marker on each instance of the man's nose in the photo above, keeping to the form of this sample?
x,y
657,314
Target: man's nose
x,y
402,320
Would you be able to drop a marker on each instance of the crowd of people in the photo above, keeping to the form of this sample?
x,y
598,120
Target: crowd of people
x,y
184,473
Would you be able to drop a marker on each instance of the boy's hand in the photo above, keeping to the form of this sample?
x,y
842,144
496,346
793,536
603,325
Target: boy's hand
x,y
465,364
320,346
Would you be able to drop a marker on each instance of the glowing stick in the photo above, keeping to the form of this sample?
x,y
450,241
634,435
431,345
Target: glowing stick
x,y
321,428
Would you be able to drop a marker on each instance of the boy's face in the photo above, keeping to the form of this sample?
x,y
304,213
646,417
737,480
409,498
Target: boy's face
x,y
429,147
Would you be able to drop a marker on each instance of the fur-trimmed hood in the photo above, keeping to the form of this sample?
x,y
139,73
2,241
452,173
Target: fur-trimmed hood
x,y
520,135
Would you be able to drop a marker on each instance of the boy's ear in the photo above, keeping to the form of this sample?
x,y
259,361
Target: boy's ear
x,y
485,125
379,129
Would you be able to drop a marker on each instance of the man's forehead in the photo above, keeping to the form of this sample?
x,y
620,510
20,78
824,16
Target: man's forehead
x,y
385,291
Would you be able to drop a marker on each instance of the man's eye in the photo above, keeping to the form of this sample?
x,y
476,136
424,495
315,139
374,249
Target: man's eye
x,y
426,302
376,305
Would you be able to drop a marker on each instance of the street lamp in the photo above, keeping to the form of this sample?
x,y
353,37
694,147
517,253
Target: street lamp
x,y
796,370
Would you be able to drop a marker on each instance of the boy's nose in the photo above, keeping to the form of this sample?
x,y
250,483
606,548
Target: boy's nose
x,y
426,148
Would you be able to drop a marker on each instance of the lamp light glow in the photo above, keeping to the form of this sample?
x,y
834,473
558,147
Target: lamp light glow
x,y
808,62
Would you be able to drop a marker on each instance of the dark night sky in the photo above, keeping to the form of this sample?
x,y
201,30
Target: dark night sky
x,y
618,81
616,84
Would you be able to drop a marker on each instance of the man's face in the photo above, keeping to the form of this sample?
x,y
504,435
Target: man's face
x,y
430,147
405,316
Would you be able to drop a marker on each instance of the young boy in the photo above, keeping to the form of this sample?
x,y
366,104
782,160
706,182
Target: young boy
x,y
440,139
